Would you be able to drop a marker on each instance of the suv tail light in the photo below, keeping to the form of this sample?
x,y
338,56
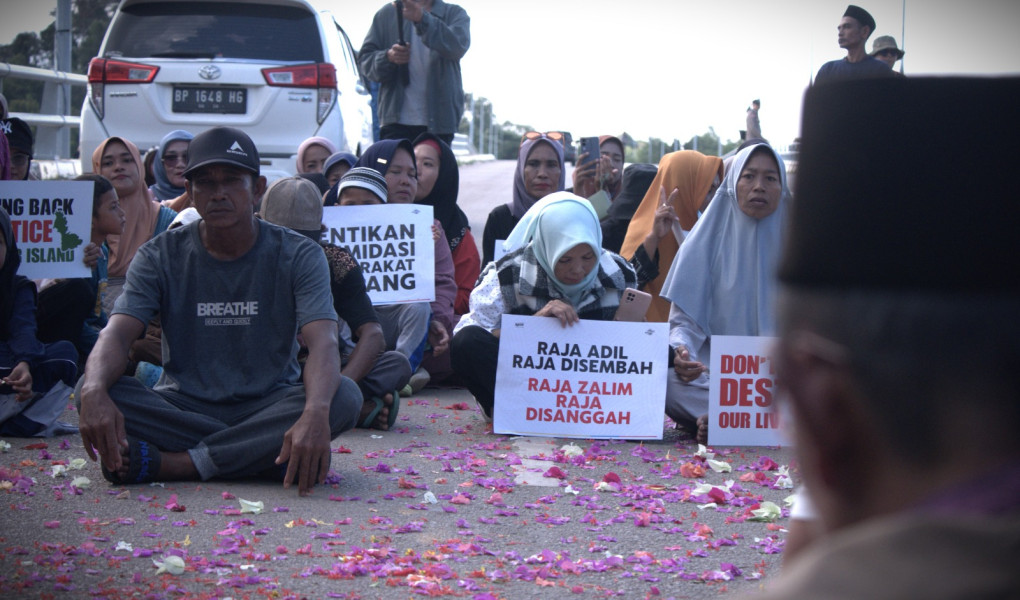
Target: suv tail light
x,y
321,76
105,70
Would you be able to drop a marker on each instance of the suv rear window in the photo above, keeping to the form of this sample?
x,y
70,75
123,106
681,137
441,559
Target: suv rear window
x,y
215,30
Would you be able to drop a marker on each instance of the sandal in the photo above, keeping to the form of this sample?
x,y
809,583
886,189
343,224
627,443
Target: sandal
x,y
145,460
394,411
369,421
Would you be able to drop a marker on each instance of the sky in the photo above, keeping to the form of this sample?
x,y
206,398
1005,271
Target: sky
x,y
673,68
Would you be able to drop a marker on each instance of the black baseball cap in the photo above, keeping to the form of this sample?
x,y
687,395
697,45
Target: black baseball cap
x,y
222,145
19,135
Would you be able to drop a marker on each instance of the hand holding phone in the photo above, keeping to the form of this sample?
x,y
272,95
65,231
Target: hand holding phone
x,y
633,305
589,146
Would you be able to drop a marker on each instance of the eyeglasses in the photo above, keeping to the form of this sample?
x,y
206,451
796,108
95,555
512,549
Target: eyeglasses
x,y
888,52
169,159
549,135
20,160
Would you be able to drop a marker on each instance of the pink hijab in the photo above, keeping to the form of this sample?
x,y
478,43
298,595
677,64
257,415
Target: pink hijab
x,y
140,210
313,141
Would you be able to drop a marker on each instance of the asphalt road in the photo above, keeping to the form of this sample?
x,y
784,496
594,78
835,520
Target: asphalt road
x,y
438,507
503,524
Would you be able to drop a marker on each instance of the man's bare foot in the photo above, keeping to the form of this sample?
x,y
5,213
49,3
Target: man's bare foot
x,y
702,435
382,417
177,466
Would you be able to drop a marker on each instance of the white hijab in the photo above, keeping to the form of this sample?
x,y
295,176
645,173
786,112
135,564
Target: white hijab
x,y
554,225
723,277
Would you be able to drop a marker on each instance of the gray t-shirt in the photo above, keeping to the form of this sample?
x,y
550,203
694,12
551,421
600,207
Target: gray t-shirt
x,y
229,327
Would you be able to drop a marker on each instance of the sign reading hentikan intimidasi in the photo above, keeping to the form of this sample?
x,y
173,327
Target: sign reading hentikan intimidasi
x,y
394,246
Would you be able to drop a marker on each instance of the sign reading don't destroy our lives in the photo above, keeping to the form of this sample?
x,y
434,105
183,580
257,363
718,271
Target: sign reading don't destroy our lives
x,y
595,379
52,224
394,246
741,391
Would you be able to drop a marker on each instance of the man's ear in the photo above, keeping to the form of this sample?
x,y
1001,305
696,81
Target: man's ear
x,y
833,429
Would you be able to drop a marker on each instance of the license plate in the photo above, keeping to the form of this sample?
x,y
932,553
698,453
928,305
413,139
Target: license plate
x,y
230,101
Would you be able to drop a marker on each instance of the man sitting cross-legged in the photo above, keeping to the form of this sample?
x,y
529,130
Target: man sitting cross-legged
x,y
232,292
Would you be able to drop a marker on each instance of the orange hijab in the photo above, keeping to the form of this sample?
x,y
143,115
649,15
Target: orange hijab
x,y
691,173
140,212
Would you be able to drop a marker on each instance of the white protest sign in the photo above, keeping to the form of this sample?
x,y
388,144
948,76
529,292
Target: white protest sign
x,y
392,243
595,379
740,392
52,223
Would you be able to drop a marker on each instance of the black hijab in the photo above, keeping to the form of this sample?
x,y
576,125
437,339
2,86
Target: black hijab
x,y
637,178
443,197
378,156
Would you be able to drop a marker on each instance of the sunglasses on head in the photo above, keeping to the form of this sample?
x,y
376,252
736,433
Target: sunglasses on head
x,y
549,135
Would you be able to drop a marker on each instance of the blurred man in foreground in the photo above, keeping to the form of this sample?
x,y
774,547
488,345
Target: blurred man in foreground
x,y
899,343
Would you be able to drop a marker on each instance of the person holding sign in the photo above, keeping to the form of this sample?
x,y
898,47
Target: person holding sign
x,y
897,356
721,281
539,173
28,368
556,267
295,203
409,326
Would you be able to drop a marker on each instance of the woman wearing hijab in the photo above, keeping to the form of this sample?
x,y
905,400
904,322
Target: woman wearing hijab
x,y
555,267
168,169
637,180
312,154
28,368
337,165
117,159
681,190
722,280
539,173
407,327
438,185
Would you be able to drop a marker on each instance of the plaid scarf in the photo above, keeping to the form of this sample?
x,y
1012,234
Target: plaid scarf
x,y
526,287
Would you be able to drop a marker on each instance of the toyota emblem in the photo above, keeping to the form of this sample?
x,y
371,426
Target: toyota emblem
x,y
209,72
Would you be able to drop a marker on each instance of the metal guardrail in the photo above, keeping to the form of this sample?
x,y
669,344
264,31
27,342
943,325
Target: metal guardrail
x,y
54,121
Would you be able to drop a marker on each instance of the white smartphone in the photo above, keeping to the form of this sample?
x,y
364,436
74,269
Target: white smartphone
x,y
633,305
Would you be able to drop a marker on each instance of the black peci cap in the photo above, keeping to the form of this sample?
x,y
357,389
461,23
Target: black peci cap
x,y
940,218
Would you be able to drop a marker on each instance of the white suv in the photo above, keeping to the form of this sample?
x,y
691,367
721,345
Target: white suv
x,y
278,69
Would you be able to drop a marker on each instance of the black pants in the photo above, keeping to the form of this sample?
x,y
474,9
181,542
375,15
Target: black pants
x,y
61,311
396,131
474,354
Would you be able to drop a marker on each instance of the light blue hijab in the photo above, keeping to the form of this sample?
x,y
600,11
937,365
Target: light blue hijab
x,y
724,275
554,225
163,189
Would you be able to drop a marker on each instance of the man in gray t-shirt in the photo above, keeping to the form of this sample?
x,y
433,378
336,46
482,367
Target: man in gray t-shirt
x,y
232,293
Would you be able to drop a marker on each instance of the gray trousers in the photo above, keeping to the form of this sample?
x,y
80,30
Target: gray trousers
x,y
228,441
405,327
684,402
390,374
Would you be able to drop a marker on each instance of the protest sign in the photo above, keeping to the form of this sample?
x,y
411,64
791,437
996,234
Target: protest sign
x,y
52,224
393,244
740,392
573,382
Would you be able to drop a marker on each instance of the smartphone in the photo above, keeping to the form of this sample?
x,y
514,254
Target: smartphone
x,y
591,146
633,305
